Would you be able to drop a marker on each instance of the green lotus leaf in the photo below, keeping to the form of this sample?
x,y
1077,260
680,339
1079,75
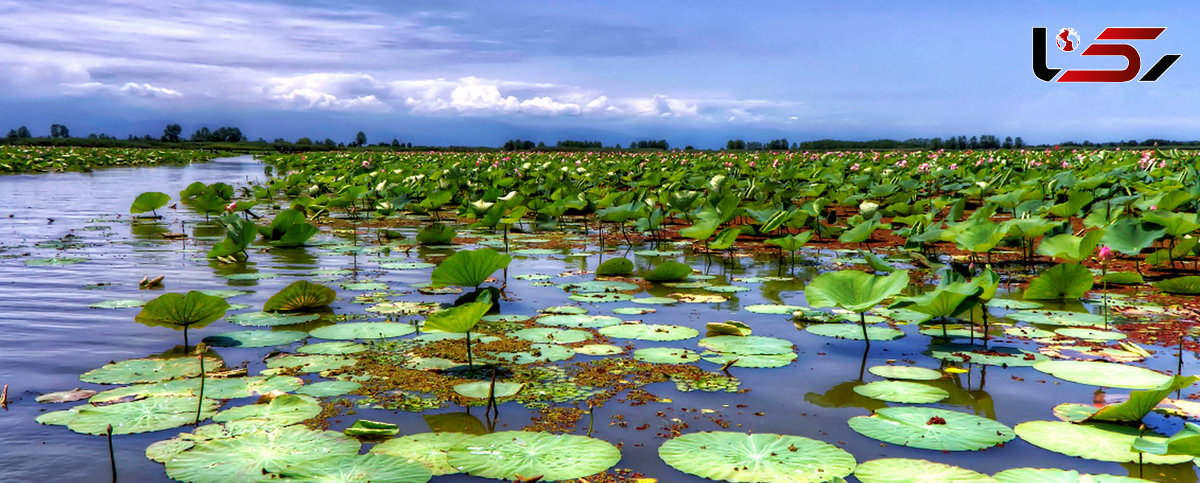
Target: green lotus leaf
x,y
460,319
355,468
283,410
249,457
853,290
729,327
469,268
300,295
71,395
651,332
749,360
1185,443
1094,441
255,338
365,428
270,319
55,261
981,235
222,388
747,345
932,428
251,276
665,355
142,416
600,297
1176,224
506,454
1090,334
598,286
480,389
365,286
1063,281
132,371
1071,248
310,363
579,321
180,312
634,310
332,347
904,470
117,304
551,335
760,457
852,331
1129,236
1057,317
599,350
615,267
565,310
991,356
910,373
1189,285
654,300
1055,475
1123,278
669,272
948,299
902,392
1104,374
149,201
774,309
239,234
436,234
329,388
862,232
428,449
1140,403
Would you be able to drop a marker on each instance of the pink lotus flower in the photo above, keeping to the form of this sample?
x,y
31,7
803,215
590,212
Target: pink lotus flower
x,y
230,207
1105,255
365,164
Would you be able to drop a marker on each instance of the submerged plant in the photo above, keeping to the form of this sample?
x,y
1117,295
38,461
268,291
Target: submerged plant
x,y
181,312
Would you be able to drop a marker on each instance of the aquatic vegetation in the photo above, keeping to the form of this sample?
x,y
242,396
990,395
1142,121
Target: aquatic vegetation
x,y
181,312
300,295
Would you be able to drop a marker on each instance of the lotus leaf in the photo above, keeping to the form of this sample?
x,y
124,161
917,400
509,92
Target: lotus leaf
x,y
1063,281
141,416
749,360
300,295
148,370
910,373
599,350
428,449
902,392
333,347
551,335
904,470
615,267
991,356
931,428
469,268
1103,374
651,332
359,468
579,321
760,457
329,388
669,272
506,454
1055,475
365,428
248,457
268,319
255,338
772,309
665,355
283,410
1094,441
118,304
149,201
481,389
310,363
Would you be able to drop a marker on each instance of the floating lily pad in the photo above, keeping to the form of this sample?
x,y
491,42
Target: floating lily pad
x,y
533,276
750,360
310,363
224,293
118,304
599,350
551,335
902,392
255,338
693,298
992,355
597,286
931,428
54,262
1028,332
774,309
353,468
270,319
428,449
600,297
363,330
728,288
904,470
480,389
248,457
72,395
747,345
1103,374
692,284
406,265
728,327
365,428
505,318
132,371
651,332
1090,334
854,331
506,454
1057,317
654,300
402,308
665,355
333,347
579,321
283,410
564,310
251,276
1055,475
634,310
765,457
535,251
365,286
141,416
223,388
1094,441
910,373
329,388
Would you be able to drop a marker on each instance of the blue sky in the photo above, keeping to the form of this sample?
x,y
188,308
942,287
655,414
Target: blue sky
x,y
478,73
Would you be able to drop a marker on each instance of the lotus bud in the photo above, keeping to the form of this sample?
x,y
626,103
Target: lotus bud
x,y
1105,255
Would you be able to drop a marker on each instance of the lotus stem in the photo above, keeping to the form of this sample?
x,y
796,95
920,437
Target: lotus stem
x,y
470,363
862,320
112,457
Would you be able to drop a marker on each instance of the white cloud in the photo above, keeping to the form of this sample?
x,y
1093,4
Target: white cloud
x,y
129,89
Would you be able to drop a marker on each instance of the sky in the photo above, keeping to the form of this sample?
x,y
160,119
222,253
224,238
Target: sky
x,y
693,72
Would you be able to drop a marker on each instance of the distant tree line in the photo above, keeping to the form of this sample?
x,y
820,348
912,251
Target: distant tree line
x,y
572,144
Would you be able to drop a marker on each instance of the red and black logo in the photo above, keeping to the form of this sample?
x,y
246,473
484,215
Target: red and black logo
x,y
1068,41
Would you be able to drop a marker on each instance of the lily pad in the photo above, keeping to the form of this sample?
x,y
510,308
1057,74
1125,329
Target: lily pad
x,y
406,265
118,304
651,332
598,286
854,331
902,392
310,363
72,395
599,350
333,347
142,416
654,300
1057,317
665,355
283,410
255,338
600,297
1055,475
765,457
910,373
1103,374
148,370
932,428
353,468
1090,334
1094,441
551,335
774,309
564,310
750,360
54,262
365,286
1028,332
579,321
728,288
747,345
329,388
365,428
904,470
480,389
223,388
634,310
363,330
536,353
428,449
249,456
991,356
251,276
506,454
269,319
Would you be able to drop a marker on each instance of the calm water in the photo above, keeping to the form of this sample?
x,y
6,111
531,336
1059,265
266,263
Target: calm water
x,y
48,336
